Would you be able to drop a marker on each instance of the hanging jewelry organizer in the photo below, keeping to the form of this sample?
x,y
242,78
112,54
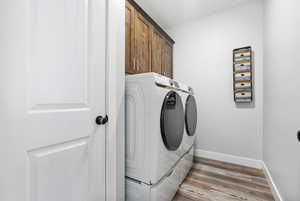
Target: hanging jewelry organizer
x,y
242,75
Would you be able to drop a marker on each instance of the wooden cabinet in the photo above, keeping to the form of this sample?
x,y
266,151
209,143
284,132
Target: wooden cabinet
x,y
156,52
142,39
148,47
161,54
129,38
167,59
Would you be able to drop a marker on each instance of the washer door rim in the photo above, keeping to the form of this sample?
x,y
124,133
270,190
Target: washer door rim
x,y
172,129
190,130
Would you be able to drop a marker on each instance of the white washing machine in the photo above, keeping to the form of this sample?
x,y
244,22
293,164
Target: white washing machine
x,y
190,110
187,145
154,127
156,161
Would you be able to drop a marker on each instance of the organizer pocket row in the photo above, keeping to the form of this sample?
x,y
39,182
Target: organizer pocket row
x,y
243,94
243,100
245,54
242,76
242,59
242,64
242,68
243,85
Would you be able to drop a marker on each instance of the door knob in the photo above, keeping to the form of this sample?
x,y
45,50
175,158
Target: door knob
x,y
100,120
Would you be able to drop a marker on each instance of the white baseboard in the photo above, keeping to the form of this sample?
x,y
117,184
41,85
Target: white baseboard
x,y
242,161
274,189
229,158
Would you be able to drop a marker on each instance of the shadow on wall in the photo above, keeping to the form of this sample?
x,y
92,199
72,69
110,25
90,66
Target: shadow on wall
x,y
252,104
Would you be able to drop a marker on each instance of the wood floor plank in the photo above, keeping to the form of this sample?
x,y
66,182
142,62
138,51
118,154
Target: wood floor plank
x,y
199,175
204,191
211,180
192,195
235,189
246,177
180,197
230,166
231,179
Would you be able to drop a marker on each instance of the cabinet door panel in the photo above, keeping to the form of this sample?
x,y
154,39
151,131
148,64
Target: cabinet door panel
x,y
142,43
167,60
156,52
129,38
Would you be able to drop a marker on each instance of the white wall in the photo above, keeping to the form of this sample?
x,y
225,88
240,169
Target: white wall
x,y
282,95
203,59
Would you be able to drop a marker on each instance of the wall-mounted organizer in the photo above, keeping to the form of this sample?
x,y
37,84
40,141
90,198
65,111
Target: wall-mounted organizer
x,y
242,75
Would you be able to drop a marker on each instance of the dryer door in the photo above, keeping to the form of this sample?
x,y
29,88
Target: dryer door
x,y
172,121
190,115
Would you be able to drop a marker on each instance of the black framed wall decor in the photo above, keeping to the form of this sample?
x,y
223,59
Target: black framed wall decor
x,y
242,75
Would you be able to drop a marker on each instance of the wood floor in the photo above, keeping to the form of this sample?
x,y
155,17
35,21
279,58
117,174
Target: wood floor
x,y
211,180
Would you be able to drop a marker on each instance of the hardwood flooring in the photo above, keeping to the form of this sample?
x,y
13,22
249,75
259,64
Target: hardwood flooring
x,y
211,180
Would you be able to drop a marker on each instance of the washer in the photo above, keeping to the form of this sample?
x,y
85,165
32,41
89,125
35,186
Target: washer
x,y
190,108
154,127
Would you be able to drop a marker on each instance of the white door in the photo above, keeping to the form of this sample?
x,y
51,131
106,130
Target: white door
x,y
52,90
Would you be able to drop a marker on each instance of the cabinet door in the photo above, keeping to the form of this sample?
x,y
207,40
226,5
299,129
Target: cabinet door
x,y
129,38
142,43
156,52
167,59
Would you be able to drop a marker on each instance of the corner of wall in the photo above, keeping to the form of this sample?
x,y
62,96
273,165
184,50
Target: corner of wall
x,y
274,189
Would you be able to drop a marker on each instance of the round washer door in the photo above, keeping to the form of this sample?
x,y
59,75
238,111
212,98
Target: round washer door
x,y
190,115
172,121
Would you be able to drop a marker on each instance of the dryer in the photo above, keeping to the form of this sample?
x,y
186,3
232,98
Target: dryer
x,y
159,151
190,117
154,127
187,145
155,118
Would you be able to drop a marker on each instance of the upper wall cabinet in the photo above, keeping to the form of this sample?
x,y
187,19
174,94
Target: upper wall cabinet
x,y
167,59
156,51
129,38
148,47
142,38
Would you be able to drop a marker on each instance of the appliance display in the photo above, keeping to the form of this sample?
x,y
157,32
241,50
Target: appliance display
x,y
156,161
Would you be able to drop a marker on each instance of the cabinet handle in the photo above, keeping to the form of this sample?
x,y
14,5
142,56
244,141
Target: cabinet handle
x,y
134,67
138,66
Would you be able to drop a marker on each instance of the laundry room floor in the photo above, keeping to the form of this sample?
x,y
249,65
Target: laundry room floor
x,y
211,180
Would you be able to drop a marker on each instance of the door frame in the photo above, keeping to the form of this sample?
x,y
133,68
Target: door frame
x,y
115,101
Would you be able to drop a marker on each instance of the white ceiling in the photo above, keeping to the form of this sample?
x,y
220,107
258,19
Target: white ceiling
x,y
170,13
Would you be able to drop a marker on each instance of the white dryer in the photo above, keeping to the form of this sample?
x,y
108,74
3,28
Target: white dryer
x,y
154,128
190,117
187,145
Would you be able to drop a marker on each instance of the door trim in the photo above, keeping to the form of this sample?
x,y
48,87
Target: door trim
x,y
115,106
